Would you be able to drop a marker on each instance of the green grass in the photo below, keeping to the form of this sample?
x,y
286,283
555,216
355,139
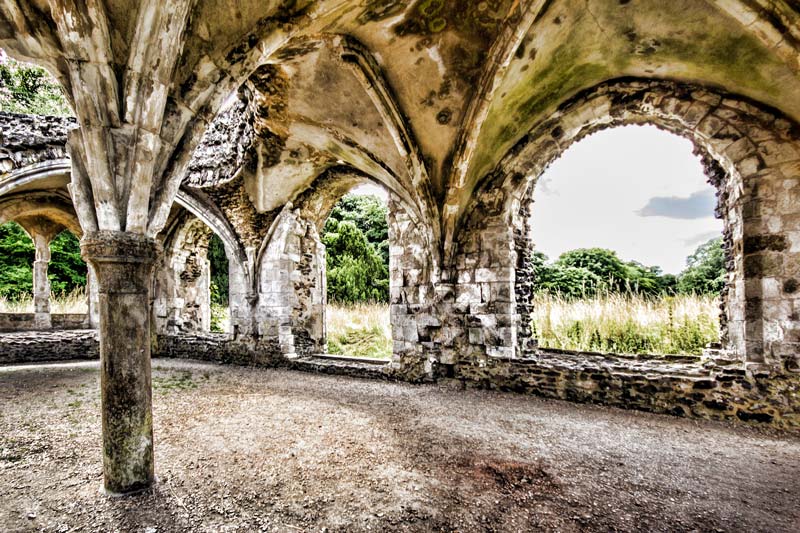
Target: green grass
x,y
627,324
175,381
360,330
74,302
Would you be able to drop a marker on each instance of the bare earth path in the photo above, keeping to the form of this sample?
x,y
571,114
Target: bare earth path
x,y
241,449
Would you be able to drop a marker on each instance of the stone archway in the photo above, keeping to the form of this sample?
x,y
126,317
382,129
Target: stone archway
x,y
182,295
292,278
751,154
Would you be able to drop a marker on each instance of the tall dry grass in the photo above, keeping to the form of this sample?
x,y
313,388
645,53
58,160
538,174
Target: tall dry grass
x,y
359,330
627,324
74,302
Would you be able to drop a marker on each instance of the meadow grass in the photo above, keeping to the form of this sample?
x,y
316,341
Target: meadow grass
x,y
627,323
74,302
608,323
360,330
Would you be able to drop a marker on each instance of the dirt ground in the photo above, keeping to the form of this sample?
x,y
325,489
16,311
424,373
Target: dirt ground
x,y
240,449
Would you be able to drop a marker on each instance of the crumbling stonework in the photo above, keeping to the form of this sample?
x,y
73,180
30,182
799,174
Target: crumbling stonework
x,y
30,139
467,317
39,346
455,109
182,295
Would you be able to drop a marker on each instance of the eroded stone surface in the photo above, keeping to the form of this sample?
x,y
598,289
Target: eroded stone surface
x,y
455,108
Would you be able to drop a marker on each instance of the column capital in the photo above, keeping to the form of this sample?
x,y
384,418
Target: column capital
x,y
119,247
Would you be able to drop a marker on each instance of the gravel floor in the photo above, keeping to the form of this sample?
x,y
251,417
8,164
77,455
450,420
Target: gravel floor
x,y
241,449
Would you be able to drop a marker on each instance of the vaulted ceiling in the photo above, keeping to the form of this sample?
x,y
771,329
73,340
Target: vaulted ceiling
x,y
424,96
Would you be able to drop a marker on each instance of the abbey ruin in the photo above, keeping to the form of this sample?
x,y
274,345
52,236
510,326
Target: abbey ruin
x,y
251,119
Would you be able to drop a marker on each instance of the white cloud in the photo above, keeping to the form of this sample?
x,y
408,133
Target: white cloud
x,y
596,190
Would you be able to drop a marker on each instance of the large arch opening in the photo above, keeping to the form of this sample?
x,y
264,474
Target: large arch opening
x,y
16,273
357,280
192,287
749,153
43,278
368,239
628,253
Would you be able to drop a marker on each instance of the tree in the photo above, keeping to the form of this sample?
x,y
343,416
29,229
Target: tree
x,y
587,271
356,273
67,270
568,281
649,280
604,264
29,89
705,270
16,259
368,213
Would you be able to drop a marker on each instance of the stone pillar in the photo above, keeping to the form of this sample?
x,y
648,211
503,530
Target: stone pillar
x,y
92,297
41,285
123,265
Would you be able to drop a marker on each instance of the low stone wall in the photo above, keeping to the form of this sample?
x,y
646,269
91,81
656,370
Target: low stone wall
x,y
26,322
715,389
711,389
218,348
40,346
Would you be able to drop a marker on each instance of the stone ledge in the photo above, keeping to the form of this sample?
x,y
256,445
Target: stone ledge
x,y
340,367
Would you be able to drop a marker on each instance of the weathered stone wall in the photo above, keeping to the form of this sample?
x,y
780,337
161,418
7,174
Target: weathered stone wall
x,y
219,348
716,390
292,293
420,337
42,346
182,294
27,322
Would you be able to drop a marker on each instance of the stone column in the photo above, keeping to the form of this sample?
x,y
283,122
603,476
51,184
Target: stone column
x,y
92,298
41,285
123,266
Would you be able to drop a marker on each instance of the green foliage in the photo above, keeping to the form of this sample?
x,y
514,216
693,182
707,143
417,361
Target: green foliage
x,y
630,323
569,282
219,315
368,213
705,272
16,261
588,272
356,238
219,271
360,330
371,343
356,272
67,270
29,89
603,264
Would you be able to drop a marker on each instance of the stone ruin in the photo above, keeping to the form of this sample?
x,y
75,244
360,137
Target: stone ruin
x,y
250,121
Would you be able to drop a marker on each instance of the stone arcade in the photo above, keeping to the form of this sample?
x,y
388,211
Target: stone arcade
x,y
251,119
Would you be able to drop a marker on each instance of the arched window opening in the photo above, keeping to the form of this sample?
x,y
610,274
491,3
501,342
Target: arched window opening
x,y
29,89
219,289
356,239
628,253
191,293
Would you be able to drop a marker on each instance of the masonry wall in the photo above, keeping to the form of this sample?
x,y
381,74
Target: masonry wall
x,y
181,296
27,321
292,293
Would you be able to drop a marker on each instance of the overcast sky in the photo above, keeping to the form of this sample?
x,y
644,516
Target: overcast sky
x,y
636,190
